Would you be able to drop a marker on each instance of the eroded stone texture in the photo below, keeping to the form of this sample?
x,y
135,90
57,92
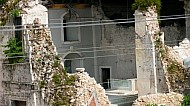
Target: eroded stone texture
x,y
46,65
169,99
177,73
86,86
146,28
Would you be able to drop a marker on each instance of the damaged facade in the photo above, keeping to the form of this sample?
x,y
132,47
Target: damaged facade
x,y
107,52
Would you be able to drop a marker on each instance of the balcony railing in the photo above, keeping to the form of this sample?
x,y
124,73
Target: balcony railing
x,y
120,84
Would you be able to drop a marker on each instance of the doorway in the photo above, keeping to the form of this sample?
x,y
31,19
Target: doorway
x,y
105,76
18,103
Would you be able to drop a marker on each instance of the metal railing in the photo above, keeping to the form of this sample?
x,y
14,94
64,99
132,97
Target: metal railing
x,y
120,84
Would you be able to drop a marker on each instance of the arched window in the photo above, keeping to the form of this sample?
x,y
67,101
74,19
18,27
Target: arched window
x,y
70,32
73,61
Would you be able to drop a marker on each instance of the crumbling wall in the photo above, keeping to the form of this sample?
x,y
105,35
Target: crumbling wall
x,y
58,87
178,74
87,87
14,78
169,99
150,78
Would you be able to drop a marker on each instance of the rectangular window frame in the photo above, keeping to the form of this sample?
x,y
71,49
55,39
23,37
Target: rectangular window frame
x,y
64,32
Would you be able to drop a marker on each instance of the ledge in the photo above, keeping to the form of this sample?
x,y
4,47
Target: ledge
x,y
59,6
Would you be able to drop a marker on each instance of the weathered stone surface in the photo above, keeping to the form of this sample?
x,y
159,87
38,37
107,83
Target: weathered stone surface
x,y
169,99
46,65
86,86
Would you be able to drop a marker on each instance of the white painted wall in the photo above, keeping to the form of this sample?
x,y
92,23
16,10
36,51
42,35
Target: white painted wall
x,y
37,11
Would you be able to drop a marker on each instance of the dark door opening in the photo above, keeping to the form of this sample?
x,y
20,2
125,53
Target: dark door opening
x,y
67,65
18,103
106,77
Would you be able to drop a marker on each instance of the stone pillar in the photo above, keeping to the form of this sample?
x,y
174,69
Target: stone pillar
x,y
187,20
146,25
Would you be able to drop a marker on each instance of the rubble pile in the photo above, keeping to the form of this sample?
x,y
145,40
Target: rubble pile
x,y
169,99
43,54
181,52
176,63
87,88
57,86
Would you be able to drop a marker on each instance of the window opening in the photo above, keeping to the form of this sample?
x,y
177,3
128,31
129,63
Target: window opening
x,y
71,34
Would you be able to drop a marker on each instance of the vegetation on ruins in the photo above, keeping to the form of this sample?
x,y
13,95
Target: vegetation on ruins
x,y
57,84
177,75
63,86
144,4
15,13
14,51
9,9
186,100
173,65
151,104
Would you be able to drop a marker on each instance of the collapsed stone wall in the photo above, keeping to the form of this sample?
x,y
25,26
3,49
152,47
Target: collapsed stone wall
x,y
178,74
58,87
169,99
147,43
181,52
86,86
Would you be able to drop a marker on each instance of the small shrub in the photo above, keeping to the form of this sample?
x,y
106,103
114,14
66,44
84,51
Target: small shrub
x,y
15,12
70,80
186,100
56,79
14,52
173,66
55,64
149,104
42,84
143,4
3,1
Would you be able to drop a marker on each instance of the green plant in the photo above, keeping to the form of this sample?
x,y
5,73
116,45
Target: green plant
x,y
6,11
14,52
56,79
172,67
70,80
56,63
3,1
42,84
186,100
143,4
149,104
15,12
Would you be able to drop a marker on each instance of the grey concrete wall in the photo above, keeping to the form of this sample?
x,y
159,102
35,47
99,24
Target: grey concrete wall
x,y
15,79
173,34
4,36
18,72
145,51
119,41
86,37
17,85
162,87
